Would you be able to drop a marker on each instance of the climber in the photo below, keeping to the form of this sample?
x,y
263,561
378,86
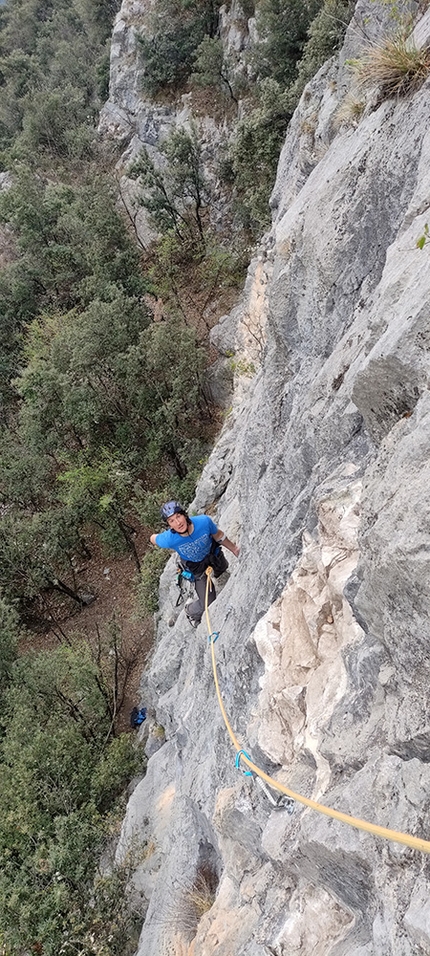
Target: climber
x,y
197,541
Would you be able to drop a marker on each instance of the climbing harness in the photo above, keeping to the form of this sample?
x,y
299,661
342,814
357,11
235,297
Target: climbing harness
x,y
416,843
186,577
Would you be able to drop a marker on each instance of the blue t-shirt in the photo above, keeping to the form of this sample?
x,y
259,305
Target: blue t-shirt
x,y
191,547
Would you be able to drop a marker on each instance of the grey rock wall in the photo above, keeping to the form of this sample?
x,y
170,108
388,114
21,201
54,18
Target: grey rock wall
x,y
322,473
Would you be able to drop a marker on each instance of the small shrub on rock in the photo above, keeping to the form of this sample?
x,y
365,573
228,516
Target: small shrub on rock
x,y
396,66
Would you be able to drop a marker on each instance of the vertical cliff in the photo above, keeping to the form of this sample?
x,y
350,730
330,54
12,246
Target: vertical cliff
x,y
322,473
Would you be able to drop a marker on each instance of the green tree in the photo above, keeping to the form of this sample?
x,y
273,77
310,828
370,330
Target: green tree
x,y
254,155
18,299
326,34
74,386
36,552
55,795
172,364
98,15
295,40
104,397
51,55
176,195
18,75
52,121
72,246
283,28
9,636
99,493
176,27
213,68
20,23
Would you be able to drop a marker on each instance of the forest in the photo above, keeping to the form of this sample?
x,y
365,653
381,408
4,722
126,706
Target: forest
x,y
104,410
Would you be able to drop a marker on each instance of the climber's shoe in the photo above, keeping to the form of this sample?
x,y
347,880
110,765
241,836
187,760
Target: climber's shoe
x,y
192,620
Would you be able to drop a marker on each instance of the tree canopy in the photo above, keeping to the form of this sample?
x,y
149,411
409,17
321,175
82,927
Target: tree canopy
x,y
61,774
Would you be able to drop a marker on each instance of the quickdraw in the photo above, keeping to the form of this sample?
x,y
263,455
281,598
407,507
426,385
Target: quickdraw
x,y
182,575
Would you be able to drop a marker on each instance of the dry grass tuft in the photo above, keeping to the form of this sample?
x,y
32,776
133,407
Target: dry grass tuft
x,y
349,112
197,898
201,896
396,66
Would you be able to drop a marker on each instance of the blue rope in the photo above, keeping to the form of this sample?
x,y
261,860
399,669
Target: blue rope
x,y
246,773
214,635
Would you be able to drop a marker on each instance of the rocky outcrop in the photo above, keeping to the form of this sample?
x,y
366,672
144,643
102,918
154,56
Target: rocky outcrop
x,y
322,472
132,120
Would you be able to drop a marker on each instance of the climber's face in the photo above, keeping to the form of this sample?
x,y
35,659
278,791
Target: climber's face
x,y
178,523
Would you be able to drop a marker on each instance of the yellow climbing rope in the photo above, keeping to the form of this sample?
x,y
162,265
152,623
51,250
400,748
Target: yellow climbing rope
x,y
414,842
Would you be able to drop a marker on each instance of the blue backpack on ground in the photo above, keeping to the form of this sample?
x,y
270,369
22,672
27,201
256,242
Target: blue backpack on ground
x,y
137,716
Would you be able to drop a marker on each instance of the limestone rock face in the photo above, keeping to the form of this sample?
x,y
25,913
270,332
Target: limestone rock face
x,y
132,120
322,473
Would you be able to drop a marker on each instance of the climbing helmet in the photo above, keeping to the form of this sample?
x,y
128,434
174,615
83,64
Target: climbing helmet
x,y
171,508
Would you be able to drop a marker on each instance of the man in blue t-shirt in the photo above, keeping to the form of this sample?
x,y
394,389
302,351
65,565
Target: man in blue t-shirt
x,y
197,540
